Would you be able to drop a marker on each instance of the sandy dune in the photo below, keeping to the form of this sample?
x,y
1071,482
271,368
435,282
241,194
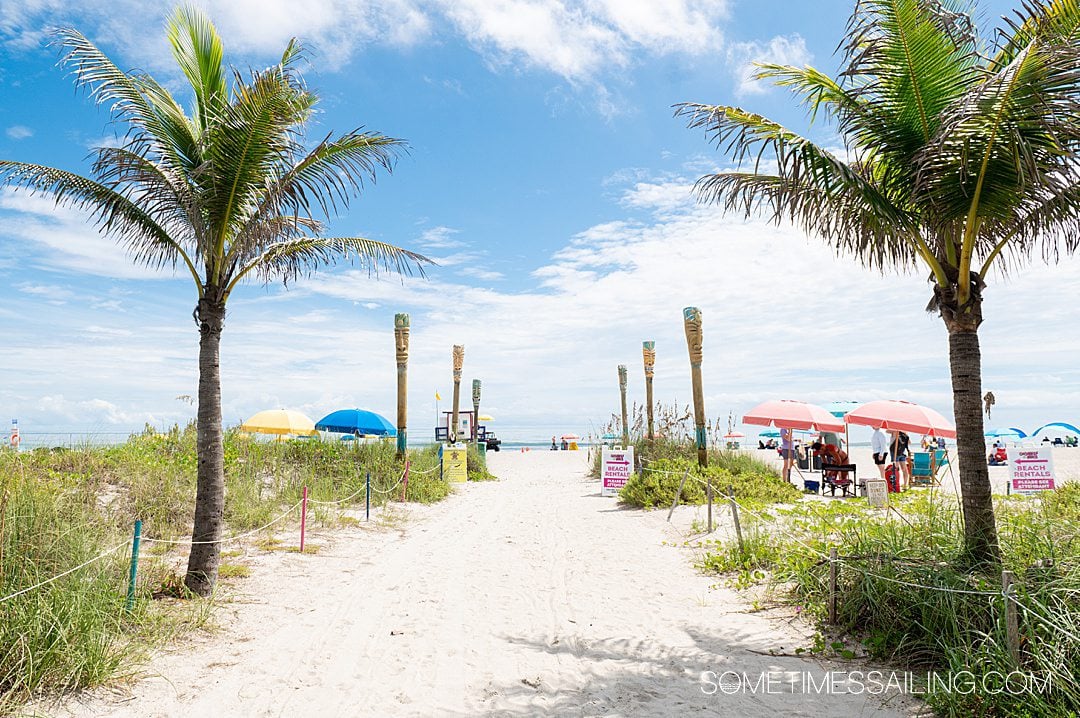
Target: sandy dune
x,y
531,596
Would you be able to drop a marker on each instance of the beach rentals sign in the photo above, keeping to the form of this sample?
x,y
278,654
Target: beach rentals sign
x,y
616,465
1031,470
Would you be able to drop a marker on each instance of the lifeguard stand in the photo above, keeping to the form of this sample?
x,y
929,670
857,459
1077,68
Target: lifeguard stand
x,y
468,429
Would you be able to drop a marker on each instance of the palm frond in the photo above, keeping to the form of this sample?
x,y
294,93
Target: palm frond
x,y
290,259
799,162
198,51
153,116
1055,22
907,60
111,211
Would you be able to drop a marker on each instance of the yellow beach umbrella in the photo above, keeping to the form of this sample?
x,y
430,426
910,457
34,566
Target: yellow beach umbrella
x,y
485,417
281,422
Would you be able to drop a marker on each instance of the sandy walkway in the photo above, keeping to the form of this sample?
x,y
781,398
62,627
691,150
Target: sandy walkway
x,y
531,596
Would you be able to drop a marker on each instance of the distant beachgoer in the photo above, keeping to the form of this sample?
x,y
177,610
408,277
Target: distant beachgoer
x,y
941,443
899,450
563,445
787,451
879,444
553,445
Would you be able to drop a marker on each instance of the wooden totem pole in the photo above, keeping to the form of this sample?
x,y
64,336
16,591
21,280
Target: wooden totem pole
x,y
622,393
401,344
692,325
459,359
648,354
476,410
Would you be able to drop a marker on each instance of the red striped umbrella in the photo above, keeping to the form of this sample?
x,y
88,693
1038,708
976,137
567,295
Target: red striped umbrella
x,y
786,414
902,416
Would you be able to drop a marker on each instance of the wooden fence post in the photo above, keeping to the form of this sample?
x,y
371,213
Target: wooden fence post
x,y
708,493
648,354
677,495
1012,625
833,566
735,517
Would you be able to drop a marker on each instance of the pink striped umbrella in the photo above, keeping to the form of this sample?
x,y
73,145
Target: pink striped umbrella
x,y
902,416
787,414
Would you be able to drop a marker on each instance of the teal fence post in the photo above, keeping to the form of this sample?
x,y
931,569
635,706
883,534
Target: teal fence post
x,y
134,565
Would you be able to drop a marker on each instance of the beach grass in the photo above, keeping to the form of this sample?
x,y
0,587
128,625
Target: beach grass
x,y
905,595
60,508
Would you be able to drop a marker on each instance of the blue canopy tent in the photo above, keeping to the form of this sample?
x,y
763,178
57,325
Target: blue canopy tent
x,y
1053,424
841,408
1057,427
356,421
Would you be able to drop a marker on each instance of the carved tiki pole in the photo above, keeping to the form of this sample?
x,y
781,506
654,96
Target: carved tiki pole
x,y
475,409
692,325
648,354
401,345
622,393
459,359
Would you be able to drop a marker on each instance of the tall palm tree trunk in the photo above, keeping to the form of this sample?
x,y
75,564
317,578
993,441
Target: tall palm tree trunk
x,y
210,491
965,362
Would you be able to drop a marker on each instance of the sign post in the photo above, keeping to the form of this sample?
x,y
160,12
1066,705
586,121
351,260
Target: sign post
x,y
616,465
1031,470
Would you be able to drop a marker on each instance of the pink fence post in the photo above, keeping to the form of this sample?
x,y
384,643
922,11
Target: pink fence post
x,y
303,518
405,483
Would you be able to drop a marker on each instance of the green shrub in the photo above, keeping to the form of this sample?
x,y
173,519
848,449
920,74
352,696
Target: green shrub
x,y
658,482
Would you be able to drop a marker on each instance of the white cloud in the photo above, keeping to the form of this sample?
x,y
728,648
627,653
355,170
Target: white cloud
x,y
783,317
19,132
440,238
780,50
485,275
579,40
336,29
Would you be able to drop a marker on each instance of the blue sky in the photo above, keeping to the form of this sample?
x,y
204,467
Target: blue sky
x,y
548,178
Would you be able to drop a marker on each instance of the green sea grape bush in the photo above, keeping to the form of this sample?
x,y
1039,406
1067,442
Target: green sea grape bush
x,y
658,482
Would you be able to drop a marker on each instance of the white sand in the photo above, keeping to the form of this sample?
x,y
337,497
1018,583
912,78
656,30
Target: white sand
x,y
532,596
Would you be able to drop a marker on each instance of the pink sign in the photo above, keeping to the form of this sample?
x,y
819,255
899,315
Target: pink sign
x,y
616,465
1031,470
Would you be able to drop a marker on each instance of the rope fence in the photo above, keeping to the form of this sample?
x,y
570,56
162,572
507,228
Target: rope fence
x,y
47,581
229,538
302,504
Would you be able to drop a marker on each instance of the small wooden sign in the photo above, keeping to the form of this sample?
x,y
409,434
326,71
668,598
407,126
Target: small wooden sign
x,y
877,493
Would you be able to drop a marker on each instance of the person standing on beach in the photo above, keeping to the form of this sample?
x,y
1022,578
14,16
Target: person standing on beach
x,y
879,444
899,449
787,451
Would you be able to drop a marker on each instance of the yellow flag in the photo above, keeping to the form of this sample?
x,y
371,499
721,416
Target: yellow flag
x,y
437,397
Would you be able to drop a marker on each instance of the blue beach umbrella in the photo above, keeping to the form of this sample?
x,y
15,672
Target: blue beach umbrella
x,y
356,421
1058,427
1005,433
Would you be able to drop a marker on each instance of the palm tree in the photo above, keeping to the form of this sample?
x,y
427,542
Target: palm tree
x,y
228,193
960,156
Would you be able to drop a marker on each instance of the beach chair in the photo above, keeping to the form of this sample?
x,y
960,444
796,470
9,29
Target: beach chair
x,y
838,476
923,471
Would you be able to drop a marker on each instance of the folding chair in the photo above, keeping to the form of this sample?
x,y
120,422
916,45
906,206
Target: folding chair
x,y
922,469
